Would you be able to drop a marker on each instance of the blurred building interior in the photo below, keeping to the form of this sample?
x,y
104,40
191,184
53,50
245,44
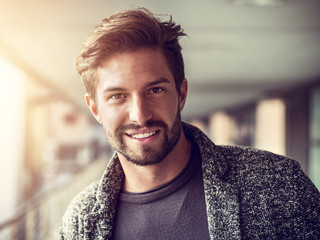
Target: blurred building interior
x,y
254,80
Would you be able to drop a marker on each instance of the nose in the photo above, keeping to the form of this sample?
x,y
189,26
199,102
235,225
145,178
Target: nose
x,y
139,110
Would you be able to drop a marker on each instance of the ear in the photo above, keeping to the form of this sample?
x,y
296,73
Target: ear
x,y
93,107
183,93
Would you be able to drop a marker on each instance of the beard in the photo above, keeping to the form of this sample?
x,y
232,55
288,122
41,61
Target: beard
x,y
147,155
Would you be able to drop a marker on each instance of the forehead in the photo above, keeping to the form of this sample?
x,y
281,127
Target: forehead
x,y
133,68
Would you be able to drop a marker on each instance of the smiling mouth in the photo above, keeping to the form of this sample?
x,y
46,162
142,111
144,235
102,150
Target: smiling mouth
x,y
143,135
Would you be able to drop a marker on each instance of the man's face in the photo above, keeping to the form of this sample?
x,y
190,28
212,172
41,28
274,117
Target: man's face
x,y
138,105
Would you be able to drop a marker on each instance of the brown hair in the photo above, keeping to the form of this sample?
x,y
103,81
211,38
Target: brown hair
x,y
128,31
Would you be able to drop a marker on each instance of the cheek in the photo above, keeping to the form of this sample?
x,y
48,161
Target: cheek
x,y
111,119
168,110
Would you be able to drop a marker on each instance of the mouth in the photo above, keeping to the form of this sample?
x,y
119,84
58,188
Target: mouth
x,y
142,136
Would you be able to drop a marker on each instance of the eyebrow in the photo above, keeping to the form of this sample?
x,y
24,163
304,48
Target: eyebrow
x,y
158,81
120,89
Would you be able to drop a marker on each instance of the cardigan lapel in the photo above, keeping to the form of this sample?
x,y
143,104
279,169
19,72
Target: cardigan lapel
x,y
222,203
221,196
99,223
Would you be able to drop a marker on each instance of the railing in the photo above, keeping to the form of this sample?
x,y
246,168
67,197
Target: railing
x,y
39,217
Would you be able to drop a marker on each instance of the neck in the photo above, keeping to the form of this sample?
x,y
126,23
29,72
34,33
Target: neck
x,y
145,178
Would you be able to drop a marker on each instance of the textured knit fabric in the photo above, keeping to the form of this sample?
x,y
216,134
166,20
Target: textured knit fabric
x,y
250,194
176,210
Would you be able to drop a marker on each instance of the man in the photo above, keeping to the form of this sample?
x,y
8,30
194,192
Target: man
x,y
167,180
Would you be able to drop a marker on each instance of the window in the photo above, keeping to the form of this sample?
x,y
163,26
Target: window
x,y
314,154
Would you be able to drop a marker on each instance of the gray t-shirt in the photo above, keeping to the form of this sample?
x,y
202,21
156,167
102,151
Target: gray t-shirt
x,y
176,210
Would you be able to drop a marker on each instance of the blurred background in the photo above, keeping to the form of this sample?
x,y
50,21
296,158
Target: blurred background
x,y
253,68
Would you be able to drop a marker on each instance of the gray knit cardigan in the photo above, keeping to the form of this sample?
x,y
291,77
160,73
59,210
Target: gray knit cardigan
x,y
249,193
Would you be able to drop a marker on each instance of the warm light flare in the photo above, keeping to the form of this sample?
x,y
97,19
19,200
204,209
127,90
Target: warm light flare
x,y
12,106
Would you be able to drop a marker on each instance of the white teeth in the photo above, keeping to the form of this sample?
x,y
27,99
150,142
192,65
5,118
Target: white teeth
x,y
142,135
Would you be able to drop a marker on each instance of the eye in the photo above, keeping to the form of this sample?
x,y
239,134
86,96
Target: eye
x,y
156,90
118,96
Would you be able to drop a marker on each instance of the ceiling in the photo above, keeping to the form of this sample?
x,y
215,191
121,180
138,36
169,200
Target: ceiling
x,y
236,51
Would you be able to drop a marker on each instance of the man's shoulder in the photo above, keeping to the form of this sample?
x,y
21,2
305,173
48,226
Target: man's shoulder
x,y
79,207
244,164
250,156
257,168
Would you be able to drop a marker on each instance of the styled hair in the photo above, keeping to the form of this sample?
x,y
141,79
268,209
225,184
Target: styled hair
x,y
127,31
